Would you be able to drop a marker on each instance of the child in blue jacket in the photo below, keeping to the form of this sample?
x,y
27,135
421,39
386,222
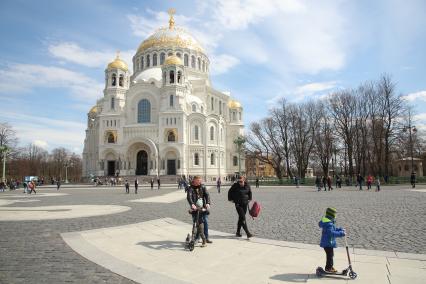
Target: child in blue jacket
x,y
329,235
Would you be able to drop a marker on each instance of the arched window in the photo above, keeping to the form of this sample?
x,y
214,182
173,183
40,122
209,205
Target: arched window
x,y
171,100
162,57
169,54
193,61
194,108
196,159
154,59
142,65
204,66
179,75
196,132
235,161
121,81
172,77
212,159
186,60
148,60
199,63
111,138
114,80
144,111
202,109
179,55
112,103
211,133
171,137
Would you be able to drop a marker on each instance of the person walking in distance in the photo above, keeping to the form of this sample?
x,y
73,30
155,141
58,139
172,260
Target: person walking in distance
x,y
218,184
127,186
136,185
32,187
58,184
257,182
240,193
152,183
158,182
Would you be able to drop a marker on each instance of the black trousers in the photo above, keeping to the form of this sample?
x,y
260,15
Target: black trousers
x,y
330,253
242,210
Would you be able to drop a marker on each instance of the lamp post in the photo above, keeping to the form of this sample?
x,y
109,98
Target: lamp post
x,y
66,172
3,150
411,129
239,141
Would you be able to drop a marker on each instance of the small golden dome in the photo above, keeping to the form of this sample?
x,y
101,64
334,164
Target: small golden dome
x,y
234,104
94,109
118,64
173,60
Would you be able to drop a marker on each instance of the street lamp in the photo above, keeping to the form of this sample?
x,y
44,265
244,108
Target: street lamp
x,y
67,165
411,129
239,141
3,150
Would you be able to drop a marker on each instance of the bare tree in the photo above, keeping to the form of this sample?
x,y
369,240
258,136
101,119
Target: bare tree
x,y
324,138
343,110
263,142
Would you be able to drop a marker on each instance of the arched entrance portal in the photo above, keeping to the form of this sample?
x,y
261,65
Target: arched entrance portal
x,y
142,163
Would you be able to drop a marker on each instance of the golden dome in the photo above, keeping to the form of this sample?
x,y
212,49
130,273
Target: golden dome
x,y
173,60
234,104
94,109
118,64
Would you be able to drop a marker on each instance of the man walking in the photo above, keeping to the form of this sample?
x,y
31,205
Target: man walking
x,y
126,184
136,185
158,182
58,184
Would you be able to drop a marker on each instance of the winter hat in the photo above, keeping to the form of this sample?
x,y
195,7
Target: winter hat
x,y
330,213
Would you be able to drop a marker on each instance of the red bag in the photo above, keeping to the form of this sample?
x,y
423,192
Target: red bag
x,y
255,209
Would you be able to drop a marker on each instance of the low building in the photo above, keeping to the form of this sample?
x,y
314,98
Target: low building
x,y
405,166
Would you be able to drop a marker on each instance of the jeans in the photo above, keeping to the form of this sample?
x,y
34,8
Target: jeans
x,y
205,218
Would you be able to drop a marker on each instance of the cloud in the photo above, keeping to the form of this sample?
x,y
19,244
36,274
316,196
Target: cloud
x,y
72,52
421,95
222,63
41,144
17,78
39,129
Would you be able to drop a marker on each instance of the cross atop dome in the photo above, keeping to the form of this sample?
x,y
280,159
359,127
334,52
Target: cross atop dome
x,y
171,12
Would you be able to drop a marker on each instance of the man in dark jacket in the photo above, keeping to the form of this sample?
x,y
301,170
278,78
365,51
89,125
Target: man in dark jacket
x,y
197,192
240,194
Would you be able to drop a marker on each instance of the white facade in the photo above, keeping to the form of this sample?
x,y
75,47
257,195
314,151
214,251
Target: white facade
x,y
165,119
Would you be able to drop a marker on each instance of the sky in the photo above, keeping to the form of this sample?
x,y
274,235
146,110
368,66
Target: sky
x,y
53,53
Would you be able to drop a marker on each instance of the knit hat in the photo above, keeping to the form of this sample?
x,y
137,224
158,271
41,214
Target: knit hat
x,y
330,213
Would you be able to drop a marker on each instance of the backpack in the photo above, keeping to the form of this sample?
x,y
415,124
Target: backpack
x,y
255,209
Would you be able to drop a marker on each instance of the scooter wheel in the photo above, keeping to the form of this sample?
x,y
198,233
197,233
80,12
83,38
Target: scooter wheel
x,y
319,272
191,246
352,275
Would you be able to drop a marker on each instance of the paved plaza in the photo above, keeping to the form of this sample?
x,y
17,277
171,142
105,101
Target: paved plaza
x,y
89,234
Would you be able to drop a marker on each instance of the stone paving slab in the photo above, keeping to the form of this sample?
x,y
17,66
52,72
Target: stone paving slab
x,y
165,198
153,252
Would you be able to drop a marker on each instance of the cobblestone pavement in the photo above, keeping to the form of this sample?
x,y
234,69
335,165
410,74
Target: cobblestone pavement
x,y
34,252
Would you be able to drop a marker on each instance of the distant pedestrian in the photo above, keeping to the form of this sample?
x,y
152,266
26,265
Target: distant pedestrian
x,y
257,182
152,183
378,183
32,187
25,187
324,183
58,184
318,183
158,182
359,181
218,184
413,179
369,181
127,186
329,182
136,186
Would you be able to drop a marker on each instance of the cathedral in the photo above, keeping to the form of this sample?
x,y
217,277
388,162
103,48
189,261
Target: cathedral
x,y
164,118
